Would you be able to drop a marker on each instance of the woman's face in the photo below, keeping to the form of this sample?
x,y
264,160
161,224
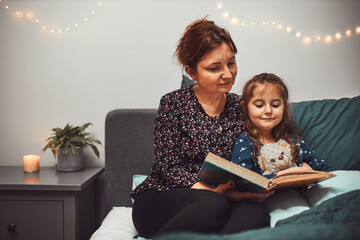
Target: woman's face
x,y
216,71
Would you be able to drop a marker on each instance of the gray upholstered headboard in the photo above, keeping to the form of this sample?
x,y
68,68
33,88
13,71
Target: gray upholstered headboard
x,y
128,151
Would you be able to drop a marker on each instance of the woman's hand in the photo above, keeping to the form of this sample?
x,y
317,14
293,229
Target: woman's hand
x,y
304,168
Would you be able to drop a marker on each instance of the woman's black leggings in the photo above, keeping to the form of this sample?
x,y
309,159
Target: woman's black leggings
x,y
193,210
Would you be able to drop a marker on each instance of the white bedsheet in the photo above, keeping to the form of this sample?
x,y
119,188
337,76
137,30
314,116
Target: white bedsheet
x,y
117,225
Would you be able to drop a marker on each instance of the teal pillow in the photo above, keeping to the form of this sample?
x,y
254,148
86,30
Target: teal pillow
x,y
186,82
137,180
284,204
345,181
331,128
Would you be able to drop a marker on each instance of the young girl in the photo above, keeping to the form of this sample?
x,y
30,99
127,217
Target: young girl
x,y
268,120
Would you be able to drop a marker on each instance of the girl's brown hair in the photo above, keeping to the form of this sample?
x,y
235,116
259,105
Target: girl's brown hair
x,y
200,38
286,128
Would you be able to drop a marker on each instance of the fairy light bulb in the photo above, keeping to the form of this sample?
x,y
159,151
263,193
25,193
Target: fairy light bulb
x,y
252,24
307,40
234,20
225,14
357,30
288,29
348,33
219,5
298,34
328,39
338,35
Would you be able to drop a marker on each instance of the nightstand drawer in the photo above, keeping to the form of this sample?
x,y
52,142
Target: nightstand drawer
x,y
27,220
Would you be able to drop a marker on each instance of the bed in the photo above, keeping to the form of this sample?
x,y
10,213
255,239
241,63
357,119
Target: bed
x,y
330,210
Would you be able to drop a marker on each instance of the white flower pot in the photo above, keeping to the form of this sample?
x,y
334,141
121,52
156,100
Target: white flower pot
x,y
70,162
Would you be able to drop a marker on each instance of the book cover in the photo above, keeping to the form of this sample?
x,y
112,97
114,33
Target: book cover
x,y
216,170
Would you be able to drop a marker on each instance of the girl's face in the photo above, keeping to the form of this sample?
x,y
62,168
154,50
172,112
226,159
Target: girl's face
x,y
216,71
266,108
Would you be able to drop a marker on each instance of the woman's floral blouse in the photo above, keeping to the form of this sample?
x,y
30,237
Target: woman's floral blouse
x,y
183,136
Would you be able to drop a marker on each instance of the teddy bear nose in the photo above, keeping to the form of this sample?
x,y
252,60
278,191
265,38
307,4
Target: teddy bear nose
x,y
281,157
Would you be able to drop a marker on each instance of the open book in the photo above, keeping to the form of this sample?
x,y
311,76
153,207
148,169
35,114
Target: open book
x,y
217,170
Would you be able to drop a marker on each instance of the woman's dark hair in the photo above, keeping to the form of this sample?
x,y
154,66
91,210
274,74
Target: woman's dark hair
x,y
286,128
200,38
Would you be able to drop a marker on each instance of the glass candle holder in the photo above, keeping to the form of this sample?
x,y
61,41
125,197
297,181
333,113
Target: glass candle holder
x,y
31,163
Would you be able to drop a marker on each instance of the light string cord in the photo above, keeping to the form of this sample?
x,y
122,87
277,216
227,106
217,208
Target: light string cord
x,y
328,38
30,16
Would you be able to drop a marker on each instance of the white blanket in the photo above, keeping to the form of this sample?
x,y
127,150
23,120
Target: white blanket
x,y
117,225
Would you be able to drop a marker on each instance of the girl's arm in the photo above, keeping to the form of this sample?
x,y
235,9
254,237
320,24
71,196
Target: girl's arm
x,y
243,152
308,161
303,168
308,156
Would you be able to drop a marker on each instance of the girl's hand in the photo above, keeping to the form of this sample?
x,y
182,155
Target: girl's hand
x,y
304,168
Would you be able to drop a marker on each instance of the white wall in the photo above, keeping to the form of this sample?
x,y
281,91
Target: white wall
x,y
122,57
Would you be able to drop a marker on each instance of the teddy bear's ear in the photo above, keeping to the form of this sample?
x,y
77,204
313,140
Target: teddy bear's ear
x,y
263,167
282,144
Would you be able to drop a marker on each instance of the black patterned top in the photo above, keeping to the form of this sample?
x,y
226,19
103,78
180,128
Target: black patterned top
x,y
183,136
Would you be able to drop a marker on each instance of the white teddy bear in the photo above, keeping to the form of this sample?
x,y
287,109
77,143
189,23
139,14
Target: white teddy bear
x,y
275,157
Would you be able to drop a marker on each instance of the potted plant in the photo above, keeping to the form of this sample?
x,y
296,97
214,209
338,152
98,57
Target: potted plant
x,y
67,146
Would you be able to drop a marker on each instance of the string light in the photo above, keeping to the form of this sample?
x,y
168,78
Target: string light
x,y
225,14
358,30
306,39
30,16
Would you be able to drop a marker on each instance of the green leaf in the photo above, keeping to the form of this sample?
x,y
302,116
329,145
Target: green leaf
x,y
48,145
86,125
94,140
54,151
73,149
65,150
96,151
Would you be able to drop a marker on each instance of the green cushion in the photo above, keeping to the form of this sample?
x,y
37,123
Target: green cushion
x,y
332,129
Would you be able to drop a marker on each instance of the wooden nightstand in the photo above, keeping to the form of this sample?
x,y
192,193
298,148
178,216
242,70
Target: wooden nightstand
x,y
48,205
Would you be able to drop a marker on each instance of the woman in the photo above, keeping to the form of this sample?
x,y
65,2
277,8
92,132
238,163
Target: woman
x,y
191,123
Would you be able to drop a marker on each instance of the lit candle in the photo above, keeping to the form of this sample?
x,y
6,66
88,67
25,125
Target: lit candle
x,y
31,163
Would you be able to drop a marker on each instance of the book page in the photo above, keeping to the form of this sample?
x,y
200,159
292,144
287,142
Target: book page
x,y
298,179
